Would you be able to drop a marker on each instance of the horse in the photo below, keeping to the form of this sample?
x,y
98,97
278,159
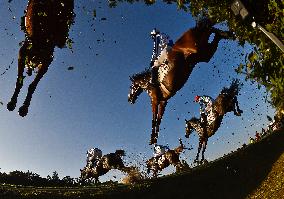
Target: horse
x,y
224,103
170,157
46,24
104,165
191,48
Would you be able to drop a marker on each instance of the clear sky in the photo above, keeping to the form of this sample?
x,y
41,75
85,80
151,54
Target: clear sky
x,y
72,111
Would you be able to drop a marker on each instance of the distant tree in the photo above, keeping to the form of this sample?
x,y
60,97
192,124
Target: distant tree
x,y
265,63
67,180
55,176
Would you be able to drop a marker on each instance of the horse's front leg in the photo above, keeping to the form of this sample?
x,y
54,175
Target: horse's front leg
x,y
162,107
20,78
154,134
24,109
204,145
198,150
97,180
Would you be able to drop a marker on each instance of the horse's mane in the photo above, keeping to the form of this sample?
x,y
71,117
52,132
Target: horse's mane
x,y
120,152
194,119
142,74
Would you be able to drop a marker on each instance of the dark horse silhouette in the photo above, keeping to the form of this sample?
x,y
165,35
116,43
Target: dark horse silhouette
x,y
191,48
171,157
104,165
46,24
224,103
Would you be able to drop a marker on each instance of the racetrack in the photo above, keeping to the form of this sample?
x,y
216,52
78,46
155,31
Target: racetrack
x,y
254,171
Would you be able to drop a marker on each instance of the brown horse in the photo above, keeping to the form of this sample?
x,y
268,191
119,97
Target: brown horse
x,y
171,157
224,103
191,48
46,24
104,165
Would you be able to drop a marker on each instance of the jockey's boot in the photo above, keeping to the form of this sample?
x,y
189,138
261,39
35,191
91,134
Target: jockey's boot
x,y
154,76
29,71
203,122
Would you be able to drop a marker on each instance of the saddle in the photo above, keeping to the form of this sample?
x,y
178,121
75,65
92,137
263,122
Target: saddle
x,y
163,70
210,116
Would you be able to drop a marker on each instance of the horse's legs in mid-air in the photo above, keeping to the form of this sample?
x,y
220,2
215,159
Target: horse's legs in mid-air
x,y
158,110
204,145
209,49
154,134
198,150
20,78
237,110
161,111
97,180
42,70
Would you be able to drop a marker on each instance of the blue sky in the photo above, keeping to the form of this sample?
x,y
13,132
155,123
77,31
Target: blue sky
x,y
72,111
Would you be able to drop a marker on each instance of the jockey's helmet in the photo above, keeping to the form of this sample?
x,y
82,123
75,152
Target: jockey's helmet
x,y
196,98
154,32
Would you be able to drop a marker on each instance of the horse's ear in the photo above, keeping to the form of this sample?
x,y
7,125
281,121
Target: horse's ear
x,y
131,78
185,120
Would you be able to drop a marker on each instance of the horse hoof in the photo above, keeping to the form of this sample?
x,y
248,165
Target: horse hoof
x,y
204,162
23,111
187,135
11,106
238,114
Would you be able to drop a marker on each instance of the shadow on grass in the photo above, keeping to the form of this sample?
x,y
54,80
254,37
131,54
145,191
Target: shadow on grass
x,y
233,176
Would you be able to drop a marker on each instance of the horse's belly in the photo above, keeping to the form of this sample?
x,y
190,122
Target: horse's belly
x,y
174,78
49,20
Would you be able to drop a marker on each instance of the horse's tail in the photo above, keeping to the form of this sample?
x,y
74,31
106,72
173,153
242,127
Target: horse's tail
x,y
120,152
234,89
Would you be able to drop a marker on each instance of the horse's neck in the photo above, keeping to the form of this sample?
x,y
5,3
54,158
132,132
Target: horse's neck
x,y
197,126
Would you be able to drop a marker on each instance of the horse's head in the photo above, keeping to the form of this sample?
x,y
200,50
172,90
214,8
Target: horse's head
x,y
188,128
84,174
135,90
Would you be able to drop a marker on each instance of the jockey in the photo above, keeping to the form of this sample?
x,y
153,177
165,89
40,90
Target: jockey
x,y
162,45
205,103
93,156
160,150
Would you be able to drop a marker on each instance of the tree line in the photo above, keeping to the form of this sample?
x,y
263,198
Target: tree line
x,y
33,179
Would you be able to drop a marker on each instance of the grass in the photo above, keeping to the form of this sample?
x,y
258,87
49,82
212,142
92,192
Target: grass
x,y
254,171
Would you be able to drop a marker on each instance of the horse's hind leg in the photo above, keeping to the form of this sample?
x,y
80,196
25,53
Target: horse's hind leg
x,y
24,109
237,110
198,151
20,78
204,145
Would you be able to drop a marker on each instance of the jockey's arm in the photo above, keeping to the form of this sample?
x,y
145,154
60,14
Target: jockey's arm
x,y
162,57
155,48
